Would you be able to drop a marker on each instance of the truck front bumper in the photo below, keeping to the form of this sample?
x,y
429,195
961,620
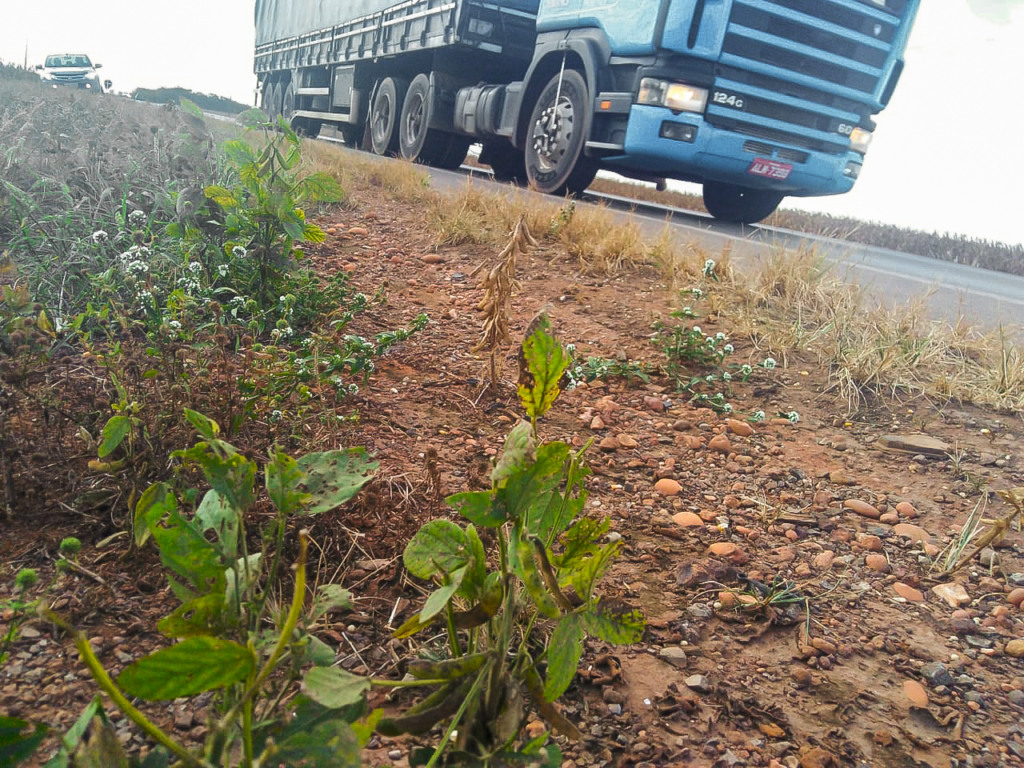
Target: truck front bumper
x,y
684,146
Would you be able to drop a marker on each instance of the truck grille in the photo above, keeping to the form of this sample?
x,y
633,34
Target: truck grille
x,y
804,71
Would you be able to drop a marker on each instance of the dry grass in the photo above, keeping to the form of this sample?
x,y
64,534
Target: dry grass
x,y
792,304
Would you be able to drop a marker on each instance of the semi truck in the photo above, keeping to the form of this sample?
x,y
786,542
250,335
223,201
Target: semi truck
x,y
755,100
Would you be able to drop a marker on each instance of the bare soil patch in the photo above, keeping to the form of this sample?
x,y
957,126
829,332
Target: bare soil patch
x,y
812,672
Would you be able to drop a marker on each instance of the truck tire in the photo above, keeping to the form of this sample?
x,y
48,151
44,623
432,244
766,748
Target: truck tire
x,y
554,145
417,141
384,116
508,164
742,205
288,100
455,153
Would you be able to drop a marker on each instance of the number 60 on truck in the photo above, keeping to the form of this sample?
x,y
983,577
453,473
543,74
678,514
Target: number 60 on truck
x,y
753,99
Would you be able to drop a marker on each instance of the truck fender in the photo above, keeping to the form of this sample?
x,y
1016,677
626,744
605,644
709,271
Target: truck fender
x,y
585,49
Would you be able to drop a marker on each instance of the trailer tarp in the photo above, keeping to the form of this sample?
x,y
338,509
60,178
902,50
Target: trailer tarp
x,y
280,19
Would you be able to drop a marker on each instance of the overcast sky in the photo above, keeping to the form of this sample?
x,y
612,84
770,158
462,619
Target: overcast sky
x,y
946,155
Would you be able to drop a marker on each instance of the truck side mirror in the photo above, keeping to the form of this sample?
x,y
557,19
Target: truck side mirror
x,y
108,84
97,66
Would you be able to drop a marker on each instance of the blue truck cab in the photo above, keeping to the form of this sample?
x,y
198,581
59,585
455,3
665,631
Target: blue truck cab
x,y
753,99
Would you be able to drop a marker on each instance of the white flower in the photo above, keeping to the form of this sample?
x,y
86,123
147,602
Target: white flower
x,y
727,408
793,417
223,270
726,376
174,324
99,236
696,329
746,370
239,252
195,267
758,416
276,415
769,363
697,292
136,217
719,336
728,349
709,267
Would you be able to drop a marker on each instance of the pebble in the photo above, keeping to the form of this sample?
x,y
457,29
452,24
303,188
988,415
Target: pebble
x,y
395,754
432,258
674,655
597,423
889,518
870,543
908,592
668,487
688,520
802,677
627,441
816,757
936,673
877,562
953,594
655,404
1015,648
906,509
862,508
740,428
1016,698
824,559
720,444
913,532
682,425
916,693
1016,597
609,444
699,683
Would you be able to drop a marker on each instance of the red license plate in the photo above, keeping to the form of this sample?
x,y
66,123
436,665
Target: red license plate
x,y
771,169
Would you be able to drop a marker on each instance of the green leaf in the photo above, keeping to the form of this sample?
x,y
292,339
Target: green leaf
x,y
223,197
520,452
322,187
317,652
473,585
283,476
71,739
527,495
581,540
439,548
478,507
216,514
156,502
101,748
334,688
189,106
586,573
330,597
114,432
185,551
614,622
331,744
364,728
203,616
19,739
439,598
546,361
311,233
227,471
192,666
206,427
334,477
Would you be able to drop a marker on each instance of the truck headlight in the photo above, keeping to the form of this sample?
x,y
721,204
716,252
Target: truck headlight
x,y
860,140
679,97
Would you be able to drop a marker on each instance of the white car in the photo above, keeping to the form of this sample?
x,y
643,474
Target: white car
x,y
72,69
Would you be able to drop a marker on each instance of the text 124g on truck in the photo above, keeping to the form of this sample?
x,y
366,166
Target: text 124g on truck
x,y
753,99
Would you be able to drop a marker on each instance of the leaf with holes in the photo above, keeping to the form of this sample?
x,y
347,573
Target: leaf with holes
x,y
334,477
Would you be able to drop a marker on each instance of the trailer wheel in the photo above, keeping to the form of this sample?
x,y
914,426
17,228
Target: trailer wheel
x,y
288,101
558,129
742,205
384,116
416,140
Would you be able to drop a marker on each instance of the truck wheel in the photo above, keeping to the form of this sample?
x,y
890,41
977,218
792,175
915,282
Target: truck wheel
x,y
508,164
558,130
288,101
416,140
384,116
742,205
454,154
